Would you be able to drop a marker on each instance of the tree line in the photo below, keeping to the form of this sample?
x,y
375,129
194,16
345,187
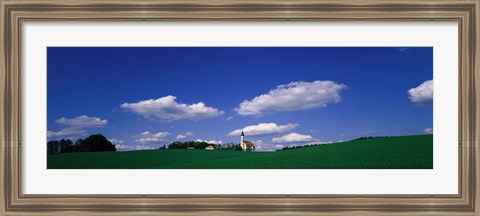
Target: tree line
x,y
296,147
310,145
370,137
93,143
201,145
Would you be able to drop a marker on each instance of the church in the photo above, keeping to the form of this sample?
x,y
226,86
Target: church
x,y
246,145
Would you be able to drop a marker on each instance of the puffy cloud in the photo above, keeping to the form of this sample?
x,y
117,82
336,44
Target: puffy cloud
x,y
293,96
133,147
422,93
67,133
115,141
147,137
82,121
292,137
121,147
428,130
75,126
167,109
184,135
264,129
211,141
261,146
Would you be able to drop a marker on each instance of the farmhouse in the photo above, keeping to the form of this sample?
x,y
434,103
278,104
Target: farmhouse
x,y
209,147
246,145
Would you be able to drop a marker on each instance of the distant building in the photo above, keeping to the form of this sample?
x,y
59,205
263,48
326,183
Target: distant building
x,y
246,145
190,147
209,147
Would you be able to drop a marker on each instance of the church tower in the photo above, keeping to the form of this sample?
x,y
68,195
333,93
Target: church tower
x,y
242,143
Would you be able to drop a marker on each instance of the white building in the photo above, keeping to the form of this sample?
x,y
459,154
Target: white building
x,y
246,145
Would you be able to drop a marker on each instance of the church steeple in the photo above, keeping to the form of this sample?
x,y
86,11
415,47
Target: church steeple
x,y
242,143
246,145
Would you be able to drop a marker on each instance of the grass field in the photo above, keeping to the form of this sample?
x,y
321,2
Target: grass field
x,y
403,152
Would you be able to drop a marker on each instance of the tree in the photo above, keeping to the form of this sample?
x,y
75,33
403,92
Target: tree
x,y
66,145
95,143
77,145
192,144
53,147
238,148
79,142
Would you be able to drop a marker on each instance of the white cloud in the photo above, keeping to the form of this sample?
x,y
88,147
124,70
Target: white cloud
x,y
368,132
210,141
293,96
133,147
184,135
229,118
356,134
147,137
428,131
317,142
115,141
167,109
422,93
82,121
265,147
264,129
67,133
292,137
261,146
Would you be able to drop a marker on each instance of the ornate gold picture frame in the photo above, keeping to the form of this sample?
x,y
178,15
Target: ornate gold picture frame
x,y
15,12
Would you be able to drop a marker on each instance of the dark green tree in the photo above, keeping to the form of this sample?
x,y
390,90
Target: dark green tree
x,y
79,141
238,148
66,145
77,145
95,143
53,147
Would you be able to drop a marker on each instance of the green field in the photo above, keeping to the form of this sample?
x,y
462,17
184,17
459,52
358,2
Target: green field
x,y
403,152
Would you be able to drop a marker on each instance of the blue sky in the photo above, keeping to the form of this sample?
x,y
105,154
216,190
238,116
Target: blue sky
x,y
143,98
